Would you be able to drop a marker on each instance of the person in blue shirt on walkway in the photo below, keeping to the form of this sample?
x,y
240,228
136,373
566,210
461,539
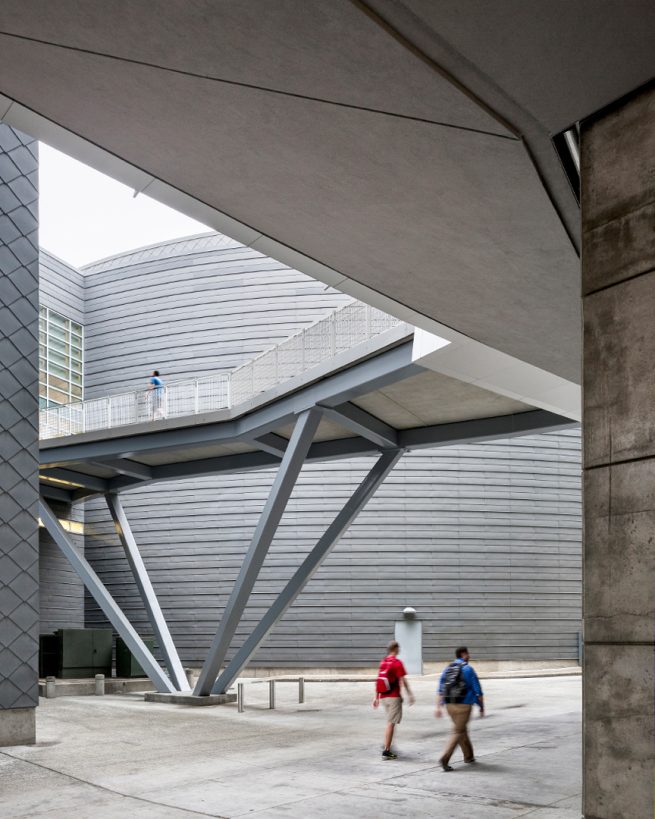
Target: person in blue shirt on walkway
x,y
157,386
459,691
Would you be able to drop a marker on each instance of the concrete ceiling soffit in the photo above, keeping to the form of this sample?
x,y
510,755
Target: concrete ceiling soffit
x,y
369,201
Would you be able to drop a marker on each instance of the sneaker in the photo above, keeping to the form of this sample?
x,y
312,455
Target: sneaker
x,y
389,755
446,766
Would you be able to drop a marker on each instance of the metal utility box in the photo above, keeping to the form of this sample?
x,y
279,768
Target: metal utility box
x,y
126,663
409,633
84,652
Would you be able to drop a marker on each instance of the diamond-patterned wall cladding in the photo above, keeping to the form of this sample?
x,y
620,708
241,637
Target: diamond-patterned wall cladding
x,y
19,311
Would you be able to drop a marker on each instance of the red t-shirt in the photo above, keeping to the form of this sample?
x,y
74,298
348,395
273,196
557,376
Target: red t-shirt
x,y
395,671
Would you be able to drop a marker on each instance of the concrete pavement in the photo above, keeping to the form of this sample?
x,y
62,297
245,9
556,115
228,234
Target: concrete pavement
x,y
118,756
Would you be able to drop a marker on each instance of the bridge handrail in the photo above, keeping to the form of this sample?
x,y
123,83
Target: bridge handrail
x,y
342,330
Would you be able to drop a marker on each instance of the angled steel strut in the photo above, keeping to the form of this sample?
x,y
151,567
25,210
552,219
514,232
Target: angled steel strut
x,y
104,599
157,621
289,469
310,564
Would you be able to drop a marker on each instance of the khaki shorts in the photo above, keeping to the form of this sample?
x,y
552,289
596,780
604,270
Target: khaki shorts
x,y
394,708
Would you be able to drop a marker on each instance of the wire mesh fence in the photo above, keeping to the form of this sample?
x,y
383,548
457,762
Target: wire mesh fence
x,y
342,330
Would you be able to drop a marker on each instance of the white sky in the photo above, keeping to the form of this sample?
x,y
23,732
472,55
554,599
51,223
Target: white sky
x,y
85,215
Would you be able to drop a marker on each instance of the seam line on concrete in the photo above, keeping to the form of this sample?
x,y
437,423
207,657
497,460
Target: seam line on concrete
x,y
619,282
621,218
417,52
619,462
253,87
110,790
393,32
619,642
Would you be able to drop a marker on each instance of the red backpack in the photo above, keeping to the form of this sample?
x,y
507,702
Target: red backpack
x,y
386,676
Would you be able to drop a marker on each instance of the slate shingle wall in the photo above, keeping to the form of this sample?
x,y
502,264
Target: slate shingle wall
x,y
19,568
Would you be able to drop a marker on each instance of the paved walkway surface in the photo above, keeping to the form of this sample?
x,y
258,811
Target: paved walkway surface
x,y
117,756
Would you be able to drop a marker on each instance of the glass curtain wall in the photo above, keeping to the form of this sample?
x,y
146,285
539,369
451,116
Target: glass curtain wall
x,y
61,363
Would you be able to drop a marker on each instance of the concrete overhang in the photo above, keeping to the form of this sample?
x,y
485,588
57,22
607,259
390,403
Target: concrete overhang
x,y
398,151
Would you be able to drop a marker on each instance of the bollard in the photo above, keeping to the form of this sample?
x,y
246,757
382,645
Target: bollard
x,y
50,689
189,677
301,689
271,694
240,698
100,685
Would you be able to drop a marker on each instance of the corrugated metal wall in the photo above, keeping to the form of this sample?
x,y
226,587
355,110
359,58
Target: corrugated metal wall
x,y
484,540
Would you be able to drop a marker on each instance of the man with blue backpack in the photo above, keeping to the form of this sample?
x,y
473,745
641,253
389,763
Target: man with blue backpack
x,y
459,691
392,677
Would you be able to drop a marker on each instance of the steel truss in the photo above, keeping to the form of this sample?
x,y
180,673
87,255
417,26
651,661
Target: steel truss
x,y
294,456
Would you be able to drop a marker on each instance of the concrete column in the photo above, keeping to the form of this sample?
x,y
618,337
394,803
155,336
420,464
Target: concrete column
x,y
19,565
618,287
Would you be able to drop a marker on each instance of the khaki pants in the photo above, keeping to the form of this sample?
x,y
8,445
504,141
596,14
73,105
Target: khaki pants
x,y
460,715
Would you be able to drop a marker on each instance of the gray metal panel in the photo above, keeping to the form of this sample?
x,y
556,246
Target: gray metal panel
x,y
483,539
19,551
61,592
61,287
192,313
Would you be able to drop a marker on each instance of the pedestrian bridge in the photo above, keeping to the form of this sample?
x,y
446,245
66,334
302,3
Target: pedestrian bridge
x,y
354,384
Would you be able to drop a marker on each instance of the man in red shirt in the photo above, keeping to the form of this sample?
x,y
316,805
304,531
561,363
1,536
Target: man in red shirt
x,y
392,677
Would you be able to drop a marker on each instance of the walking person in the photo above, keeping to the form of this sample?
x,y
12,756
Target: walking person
x,y
392,678
156,385
459,691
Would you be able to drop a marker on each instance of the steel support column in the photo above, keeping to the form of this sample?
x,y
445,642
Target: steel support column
x,y
148,596
106,602
310,564
285,480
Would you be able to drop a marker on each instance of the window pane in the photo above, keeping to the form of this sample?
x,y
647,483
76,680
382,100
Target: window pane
x,y
60,346
58,358
76,328
58,397
57,332
76,378
55,318
76,392
61,382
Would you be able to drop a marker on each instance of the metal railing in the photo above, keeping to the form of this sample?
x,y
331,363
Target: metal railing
x,y
342,330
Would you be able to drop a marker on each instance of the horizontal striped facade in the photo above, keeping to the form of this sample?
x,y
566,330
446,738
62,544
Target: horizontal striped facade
x,y
483,540
61,593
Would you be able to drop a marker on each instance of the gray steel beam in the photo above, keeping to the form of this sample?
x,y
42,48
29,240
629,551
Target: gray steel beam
x,y
131,469
80,480
55,493
310,564
148,596
318,452
484,429
363,423
285,480
270,442
106,602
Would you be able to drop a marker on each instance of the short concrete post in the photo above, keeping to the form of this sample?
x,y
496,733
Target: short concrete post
x,y
50,689
240,698
301,689
271,694
100,685
189,677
